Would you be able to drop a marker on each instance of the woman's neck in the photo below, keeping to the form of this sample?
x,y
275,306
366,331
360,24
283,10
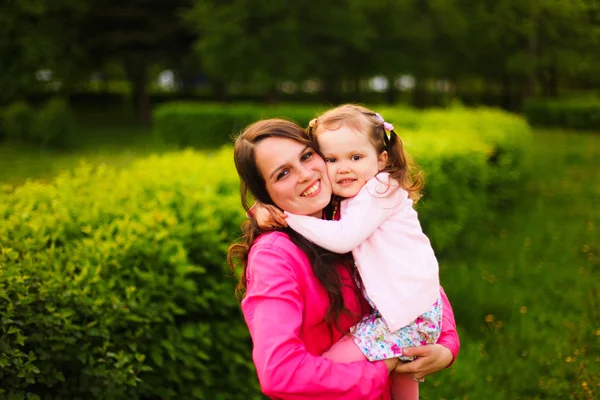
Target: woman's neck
x,y
330,212
317,214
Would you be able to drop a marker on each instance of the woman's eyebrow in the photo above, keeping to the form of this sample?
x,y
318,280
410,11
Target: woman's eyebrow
x,y
283,165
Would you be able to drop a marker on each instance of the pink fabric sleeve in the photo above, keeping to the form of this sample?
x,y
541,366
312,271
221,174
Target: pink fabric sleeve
x,y
362,215
273,308
449,335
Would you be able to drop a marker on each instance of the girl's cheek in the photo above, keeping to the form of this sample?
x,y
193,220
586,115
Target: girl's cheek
x,y
330,172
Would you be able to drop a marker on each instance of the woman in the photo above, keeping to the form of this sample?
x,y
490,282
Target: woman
x,y
299,299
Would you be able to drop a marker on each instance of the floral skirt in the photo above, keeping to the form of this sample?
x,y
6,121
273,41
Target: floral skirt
x,y
376,341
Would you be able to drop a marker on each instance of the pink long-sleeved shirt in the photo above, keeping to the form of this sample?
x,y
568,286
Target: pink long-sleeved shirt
x,y
285,308
394,257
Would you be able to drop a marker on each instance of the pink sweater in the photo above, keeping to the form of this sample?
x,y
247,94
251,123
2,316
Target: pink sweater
x,y
394,257
285,307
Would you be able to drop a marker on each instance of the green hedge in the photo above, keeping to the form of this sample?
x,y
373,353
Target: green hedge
x,y
16,122
472,162
54,125
113,284
213,125
50,126
582,113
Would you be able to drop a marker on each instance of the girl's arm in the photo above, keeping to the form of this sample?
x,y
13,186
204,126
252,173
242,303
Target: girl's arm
x,y
361,217
273,308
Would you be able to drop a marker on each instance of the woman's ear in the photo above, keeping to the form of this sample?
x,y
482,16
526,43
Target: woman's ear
x,y
382,160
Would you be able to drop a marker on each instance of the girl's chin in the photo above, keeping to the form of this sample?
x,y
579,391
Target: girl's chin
x,y
346,192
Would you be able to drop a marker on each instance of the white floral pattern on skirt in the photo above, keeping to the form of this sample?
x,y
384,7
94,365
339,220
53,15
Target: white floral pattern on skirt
x,y
376,341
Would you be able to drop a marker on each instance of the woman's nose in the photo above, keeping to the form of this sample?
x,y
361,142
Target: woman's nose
x,y
304,173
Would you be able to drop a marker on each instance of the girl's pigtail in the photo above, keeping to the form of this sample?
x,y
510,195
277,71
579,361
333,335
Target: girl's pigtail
x,y
311,127
401,166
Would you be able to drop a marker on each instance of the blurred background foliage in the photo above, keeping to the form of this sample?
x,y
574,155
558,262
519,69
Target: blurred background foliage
x,y
423,52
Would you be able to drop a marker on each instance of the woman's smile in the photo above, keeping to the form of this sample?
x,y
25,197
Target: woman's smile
x,y
313,190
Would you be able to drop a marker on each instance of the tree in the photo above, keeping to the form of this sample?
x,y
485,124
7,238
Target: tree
x,y
247,41
422,38
521,45
138,34
36,35
567,42
337,36
266,42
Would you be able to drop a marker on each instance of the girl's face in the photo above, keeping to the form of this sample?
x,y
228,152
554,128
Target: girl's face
x,y
295,176
351,159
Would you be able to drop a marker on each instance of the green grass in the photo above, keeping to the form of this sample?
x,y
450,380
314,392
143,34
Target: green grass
x,y
105,136
526,285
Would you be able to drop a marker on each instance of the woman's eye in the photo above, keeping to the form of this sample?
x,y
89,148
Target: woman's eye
x,y
356,158
282,174
306,156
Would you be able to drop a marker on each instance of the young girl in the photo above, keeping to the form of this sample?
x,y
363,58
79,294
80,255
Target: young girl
x,y
367,166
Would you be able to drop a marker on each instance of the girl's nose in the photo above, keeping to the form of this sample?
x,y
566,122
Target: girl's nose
x,y
342,168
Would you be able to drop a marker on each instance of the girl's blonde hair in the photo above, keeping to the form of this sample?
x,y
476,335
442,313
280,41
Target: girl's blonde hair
x,y
400,165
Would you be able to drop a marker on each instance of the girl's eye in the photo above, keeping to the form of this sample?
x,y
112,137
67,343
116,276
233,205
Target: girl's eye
x,y
282,174
330,160
306,156
356,158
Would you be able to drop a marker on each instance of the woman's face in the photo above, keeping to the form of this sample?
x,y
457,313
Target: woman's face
x,y
295,175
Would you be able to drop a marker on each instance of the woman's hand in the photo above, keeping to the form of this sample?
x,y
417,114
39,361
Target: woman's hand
x,y
391,363
431,358
268,216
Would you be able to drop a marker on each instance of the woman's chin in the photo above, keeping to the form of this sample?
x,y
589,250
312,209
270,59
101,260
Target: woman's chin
x,y
321,206
314,206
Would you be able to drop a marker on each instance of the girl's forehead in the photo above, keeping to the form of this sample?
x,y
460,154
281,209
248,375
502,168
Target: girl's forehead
x,y
356,123
341,138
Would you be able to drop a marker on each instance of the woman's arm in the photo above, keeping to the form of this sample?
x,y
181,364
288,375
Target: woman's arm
x,y
362,215
273,308
449,335
435,357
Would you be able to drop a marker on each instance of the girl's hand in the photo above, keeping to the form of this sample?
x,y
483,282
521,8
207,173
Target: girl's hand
x,y
431,358
269,217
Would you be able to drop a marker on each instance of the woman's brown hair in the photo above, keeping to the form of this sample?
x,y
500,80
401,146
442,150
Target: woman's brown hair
x,y
399,165
252,186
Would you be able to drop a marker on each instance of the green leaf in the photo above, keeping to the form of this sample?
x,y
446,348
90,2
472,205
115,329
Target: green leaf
x,y
13,329
156,355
